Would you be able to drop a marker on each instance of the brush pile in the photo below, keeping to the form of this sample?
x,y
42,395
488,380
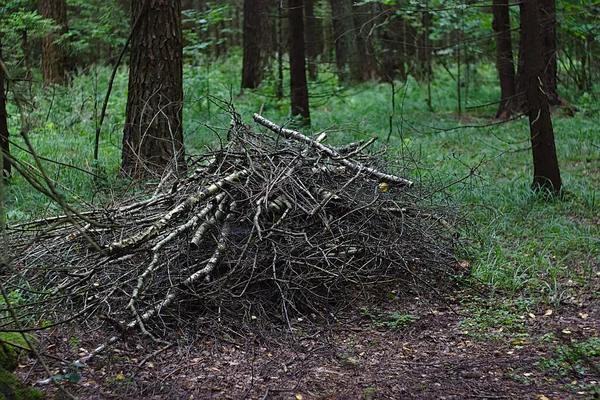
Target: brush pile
x,y
274,224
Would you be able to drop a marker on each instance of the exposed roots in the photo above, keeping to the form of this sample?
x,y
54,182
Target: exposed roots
x,y
274,226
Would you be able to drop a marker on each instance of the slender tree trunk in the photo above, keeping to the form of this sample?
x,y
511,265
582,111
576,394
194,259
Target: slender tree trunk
x,y
546,172
364,17
393,43
314,36
257,42
279,89
4,143
346,51
423,70
504,58
153,134
298,84
54,56
548,22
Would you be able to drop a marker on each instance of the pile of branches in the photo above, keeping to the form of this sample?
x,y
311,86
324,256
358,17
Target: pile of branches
x,y
274,224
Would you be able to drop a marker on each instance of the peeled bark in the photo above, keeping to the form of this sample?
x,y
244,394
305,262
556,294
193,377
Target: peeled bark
x,y
546,172
153,134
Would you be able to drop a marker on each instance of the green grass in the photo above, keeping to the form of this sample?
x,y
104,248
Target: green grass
x,y
522,245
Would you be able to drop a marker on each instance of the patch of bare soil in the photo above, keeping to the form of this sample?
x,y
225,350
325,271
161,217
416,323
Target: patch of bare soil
x,y
353,355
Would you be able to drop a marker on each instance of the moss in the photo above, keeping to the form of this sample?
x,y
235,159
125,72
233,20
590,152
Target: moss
x,y
9,354
13,389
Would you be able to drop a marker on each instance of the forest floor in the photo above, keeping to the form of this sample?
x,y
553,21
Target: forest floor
x,y
455,348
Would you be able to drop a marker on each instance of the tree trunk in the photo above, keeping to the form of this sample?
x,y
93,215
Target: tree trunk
x,y
364,19
313,39
423,70
504,58
393,44
54,56
257,42
346,51
548,21
298,84
546,172
4,143
153,134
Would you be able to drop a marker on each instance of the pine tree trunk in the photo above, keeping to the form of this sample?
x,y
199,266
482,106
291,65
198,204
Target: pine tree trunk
x,y
153,133
364,19
546,172
298,84
346,51
548,22
54,56
257,42
393,44
313,38
504,58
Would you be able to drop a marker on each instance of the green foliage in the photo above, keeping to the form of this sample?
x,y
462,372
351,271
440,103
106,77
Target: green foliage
x,y
96,26
18,17
576,360
200,25
491,320
395,320
72,375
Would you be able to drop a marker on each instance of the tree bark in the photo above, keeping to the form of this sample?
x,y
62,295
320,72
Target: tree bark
x,y
257,42
346,51
313,38
364,19
504,58
548,21
4,135
298,84
423,70
546,172
393,44
54,56
153,133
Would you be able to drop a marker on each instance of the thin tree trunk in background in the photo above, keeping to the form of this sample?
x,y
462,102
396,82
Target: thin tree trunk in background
x,y
54,56
423,70
392,41
364,17
153,133
257,42
546,172
314,35
548,21
298,84
279,89
4,143
346,51
504,58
